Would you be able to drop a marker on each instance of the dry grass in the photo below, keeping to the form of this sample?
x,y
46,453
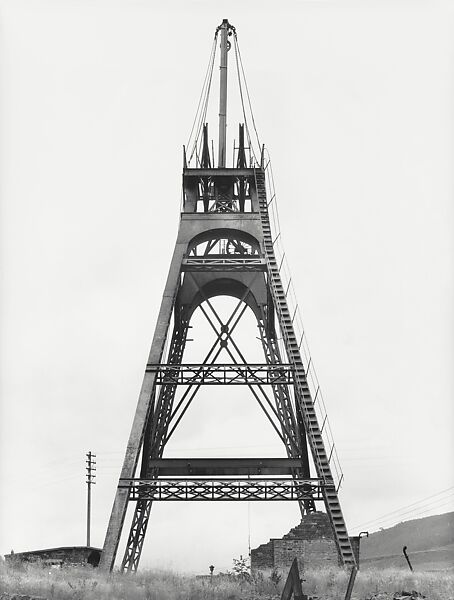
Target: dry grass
x,y
90,584
329,584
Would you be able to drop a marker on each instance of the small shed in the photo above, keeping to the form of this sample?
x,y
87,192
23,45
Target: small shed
x,y
66,555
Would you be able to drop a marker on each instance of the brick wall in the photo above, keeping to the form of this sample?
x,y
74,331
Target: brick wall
x,y
312,527
311,542
262,558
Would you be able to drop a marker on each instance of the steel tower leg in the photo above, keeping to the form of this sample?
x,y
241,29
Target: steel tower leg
x,y
143,410
153,447
293,430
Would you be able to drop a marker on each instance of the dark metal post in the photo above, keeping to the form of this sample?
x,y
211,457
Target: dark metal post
x,y
223,94
361,534
293,584
91,462
351,583
404,550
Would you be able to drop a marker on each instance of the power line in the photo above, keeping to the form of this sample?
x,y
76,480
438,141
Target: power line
x,y
414,512
399,510
430,509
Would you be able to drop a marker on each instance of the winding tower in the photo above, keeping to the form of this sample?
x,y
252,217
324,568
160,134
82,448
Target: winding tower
x,y
226,247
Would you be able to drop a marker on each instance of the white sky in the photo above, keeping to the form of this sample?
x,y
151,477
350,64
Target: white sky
x,y
354,101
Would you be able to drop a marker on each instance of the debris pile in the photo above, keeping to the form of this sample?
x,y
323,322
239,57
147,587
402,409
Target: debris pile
x,y
20,597
414,595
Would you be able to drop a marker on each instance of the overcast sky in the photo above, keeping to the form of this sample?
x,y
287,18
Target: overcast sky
x,y
354,101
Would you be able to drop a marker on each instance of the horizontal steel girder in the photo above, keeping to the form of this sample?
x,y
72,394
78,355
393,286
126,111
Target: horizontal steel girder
x,y
222,374
223,489
176,467
218,172
223,264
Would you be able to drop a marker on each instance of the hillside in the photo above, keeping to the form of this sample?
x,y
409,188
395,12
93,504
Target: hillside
x,y
429,541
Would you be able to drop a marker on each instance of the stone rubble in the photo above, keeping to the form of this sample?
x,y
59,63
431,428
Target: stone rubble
x,y
413,595
20,597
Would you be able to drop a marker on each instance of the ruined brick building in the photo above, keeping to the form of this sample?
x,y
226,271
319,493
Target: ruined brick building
x,y
63,556
311,542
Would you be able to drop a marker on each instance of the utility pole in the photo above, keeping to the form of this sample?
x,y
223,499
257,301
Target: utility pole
x,y
91,467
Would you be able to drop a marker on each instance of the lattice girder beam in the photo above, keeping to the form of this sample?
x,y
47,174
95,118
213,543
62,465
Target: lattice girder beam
x,y
221,264
222,374
212,489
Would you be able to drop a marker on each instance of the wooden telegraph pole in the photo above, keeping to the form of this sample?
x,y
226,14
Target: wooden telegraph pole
x,y
91,467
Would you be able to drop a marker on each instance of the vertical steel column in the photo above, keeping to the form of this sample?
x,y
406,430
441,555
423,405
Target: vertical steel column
x,y
137,434
223,94
153,448
296,445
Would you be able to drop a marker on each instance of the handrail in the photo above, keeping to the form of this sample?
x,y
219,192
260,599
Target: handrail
x,y
287,282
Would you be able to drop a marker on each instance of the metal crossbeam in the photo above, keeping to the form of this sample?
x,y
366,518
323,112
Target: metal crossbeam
x,y
197,489
176,467
225,374
224,263
217,173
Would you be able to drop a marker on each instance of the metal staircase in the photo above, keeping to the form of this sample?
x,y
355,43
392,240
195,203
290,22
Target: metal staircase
x,y
303,396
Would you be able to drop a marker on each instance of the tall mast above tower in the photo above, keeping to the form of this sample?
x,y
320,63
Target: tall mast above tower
x,y
225,28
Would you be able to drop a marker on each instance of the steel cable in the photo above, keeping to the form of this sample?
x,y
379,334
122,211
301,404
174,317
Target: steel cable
x,y
247,93
242,99
203,100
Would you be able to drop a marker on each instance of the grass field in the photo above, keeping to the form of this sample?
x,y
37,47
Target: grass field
x,y
329,584
435,559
